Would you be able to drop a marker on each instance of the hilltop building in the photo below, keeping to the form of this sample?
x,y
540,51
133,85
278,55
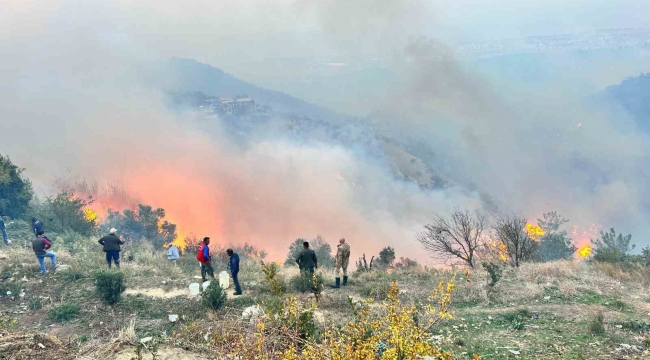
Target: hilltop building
x,y
236,106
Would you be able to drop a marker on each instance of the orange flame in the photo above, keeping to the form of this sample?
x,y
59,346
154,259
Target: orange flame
x,y
534,231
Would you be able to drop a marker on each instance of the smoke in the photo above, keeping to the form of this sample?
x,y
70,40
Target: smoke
x,y
73,103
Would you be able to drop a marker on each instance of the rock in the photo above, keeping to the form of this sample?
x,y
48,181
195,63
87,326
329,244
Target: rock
x,y
41,346
8,293
252,312
547,298
173,317
514,352
146,340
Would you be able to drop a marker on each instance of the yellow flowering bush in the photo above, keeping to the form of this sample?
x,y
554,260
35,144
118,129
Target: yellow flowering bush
x,y
387,330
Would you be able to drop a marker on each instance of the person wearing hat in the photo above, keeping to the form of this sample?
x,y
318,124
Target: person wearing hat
x,y
111,244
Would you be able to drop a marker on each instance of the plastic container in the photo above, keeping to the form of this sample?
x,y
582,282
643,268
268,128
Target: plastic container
x,y
194,289
224,280
205,285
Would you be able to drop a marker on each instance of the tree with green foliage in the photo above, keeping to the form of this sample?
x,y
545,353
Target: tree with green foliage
x,y
65,213
386,257
612,247
322,249
555,244
15,189
145,223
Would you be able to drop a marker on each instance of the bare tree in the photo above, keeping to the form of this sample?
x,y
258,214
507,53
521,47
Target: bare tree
x,y
511,231
457,237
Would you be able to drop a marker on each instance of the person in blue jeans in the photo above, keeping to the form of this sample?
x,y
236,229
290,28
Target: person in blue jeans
x,y
233,265
111,244
3,227
40,245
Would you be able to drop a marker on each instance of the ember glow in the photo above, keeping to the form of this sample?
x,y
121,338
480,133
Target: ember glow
x,y
534,231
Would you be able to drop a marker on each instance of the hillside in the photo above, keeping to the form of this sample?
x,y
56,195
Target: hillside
x,y
633,95
187,75
558,310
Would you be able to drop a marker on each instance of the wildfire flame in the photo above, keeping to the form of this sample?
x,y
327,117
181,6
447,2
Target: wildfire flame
x,y
534,231
584,251
90,215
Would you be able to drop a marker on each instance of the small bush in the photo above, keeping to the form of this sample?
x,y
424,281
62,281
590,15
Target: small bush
x,y
494,271
213,297
64,312
273,305
518,318
73,275
13,287
276,282
243,302
35,304
110,286
377,291
304,282
597,325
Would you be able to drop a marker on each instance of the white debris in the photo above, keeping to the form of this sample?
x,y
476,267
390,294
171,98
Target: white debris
x,y
252,312
173,317
547,298
514,352
146,340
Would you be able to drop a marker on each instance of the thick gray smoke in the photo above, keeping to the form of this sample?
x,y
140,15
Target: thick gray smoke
x,y
72,102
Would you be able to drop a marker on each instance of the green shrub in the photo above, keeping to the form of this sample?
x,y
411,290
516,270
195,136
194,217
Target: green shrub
x,y
213,297
35,304
377,291
304,282
13,287
110,286
64,312
597,325
276,282
242,302
495,272
72,274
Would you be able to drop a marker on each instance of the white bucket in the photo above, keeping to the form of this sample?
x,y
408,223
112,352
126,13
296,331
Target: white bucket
x,y
194,289
224,280
205,285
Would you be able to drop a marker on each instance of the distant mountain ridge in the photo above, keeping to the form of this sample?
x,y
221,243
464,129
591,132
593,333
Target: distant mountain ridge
x,y
633,95
188,75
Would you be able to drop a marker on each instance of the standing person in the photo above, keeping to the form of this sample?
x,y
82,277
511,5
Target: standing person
x,y
37,226
342,261
112,249
172,253
203,256
40,245
3,227
233,265
306,260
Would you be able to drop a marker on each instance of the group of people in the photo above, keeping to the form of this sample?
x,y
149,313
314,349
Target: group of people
x,y
111,243
308,262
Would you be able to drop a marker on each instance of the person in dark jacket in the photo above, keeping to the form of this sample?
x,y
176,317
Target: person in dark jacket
x,y
3,228
203,256
233,265
40,245
306,260
111,245
37,226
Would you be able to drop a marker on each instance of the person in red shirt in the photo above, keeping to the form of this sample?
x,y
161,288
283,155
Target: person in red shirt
x,y
40,245
203,256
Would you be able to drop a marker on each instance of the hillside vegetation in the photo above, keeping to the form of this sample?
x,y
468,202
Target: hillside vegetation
x,y
557,310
